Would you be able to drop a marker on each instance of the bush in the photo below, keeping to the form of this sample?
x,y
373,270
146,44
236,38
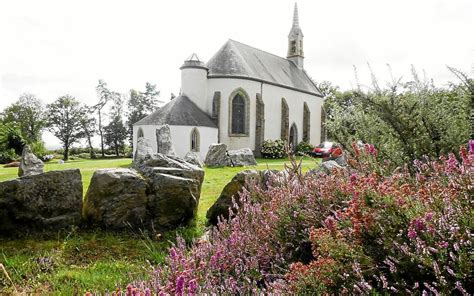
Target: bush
x,y
363,230
304,148
8,156
273,149
84,155
38,149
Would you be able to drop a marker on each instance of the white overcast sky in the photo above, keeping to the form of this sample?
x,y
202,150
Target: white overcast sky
x,y
52,48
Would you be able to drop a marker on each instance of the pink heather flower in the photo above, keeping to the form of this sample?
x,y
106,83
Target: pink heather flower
x,y
444,244
419,224
370,149
353,178
129,290
147,292
192,286
330,223
471,146
411,233
428,216
180,285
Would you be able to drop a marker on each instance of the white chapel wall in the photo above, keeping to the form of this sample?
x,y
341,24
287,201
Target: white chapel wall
x,y
271,96
181,137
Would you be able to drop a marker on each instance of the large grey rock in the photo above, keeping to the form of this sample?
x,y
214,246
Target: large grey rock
x,y
143,150
217,156
160,192
116,198
341,160
29,164
164,142
245,179
194,158
47,201
326,167
242,157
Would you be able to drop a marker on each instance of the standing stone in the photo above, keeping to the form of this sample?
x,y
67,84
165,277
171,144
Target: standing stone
x,y
47,201
29,164
116,198
160,192
242,157
164,141
143,149
193,158
217,156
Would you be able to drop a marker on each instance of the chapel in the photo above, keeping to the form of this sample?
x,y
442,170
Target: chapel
x,y
241,97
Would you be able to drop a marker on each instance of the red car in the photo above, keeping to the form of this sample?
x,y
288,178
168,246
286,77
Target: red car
x,y
327,149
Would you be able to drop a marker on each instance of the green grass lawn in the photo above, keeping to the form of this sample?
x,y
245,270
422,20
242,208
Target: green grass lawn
x,y
77,261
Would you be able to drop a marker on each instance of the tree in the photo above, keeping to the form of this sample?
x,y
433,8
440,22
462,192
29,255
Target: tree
x,y
88,125
405,121
115,132
140,105
104,95
28,114
64,120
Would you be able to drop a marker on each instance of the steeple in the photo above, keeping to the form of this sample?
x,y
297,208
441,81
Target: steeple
x,y
295,41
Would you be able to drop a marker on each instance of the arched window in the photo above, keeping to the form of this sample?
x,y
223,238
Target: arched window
x,y
293,140
195,140
239,110
140,133
238,115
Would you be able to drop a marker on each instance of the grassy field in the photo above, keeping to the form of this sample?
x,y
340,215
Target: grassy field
x,y
76,261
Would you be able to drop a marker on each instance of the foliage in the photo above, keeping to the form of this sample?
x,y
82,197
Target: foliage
x,y
105,95
8,155
28,114
273,149
88,126
141,104
39,149
115,132
363,230
405,121
304,148
64,121
11,138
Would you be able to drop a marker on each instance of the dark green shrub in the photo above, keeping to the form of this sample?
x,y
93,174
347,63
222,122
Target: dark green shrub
x,y
7,156
304,148
273,149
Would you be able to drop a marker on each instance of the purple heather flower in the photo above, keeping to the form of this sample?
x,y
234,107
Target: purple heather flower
x,y
471,146
180,285
411,233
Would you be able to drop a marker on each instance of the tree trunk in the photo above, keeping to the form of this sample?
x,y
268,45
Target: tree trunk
x,y
117,150
91,149
101,135
66,151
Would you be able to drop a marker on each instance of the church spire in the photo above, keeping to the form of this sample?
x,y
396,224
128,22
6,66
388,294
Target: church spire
x,y
295,41
296,21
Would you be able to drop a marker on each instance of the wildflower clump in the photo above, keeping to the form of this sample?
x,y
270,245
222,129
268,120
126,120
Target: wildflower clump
x,y
359,230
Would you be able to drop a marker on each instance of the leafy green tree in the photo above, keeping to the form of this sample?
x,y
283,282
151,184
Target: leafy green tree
x,y
64,120
405,121
115,132
11,138
88,125
28,113
104,95
140,105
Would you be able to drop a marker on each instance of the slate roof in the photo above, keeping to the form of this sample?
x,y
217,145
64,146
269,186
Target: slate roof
x,y
179,111
236,59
